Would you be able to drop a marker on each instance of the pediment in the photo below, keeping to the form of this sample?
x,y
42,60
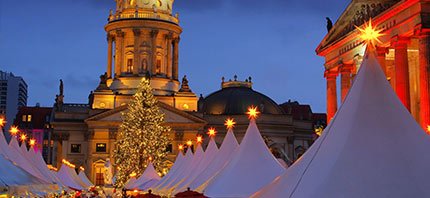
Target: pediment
x,y
357,12
172,115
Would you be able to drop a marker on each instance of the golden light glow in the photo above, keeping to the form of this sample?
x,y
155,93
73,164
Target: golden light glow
x,y
133,174
370,34
186,106
229,123
32,142
181,147
199,139
212,132
82,168
150,159
50,167
23,137
252,112
428,129
67,163
189,142
14,130
2,122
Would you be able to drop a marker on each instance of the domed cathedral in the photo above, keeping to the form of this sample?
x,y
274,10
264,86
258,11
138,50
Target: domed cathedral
x,y
143,42
287,131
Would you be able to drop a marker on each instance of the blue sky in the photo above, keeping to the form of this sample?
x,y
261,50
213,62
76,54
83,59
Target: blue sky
x,y
273,41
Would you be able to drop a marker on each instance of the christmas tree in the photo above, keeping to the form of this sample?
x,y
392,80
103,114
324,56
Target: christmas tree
x,y
141,136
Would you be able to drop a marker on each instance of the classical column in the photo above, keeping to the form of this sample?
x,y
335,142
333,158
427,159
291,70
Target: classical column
x,y
345,79
424,67
402,70
175,58
381,52
331,93
119,59
169,55
136,52
109,61
154,34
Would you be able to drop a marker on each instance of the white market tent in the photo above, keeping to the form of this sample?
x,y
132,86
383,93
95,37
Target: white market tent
x,y
149,175
371,148
84,178
251,167
17,156
69,178
209,155
180,160
186,171
228,146
39,163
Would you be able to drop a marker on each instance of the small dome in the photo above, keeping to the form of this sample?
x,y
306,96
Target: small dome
x,y
235,100
164,6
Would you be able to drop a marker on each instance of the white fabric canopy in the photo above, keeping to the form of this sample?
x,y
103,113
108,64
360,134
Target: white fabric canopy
x,y
185,171
150,174
69,178
85,179
39,163
372,148
181,161
228,146
252,167
208,156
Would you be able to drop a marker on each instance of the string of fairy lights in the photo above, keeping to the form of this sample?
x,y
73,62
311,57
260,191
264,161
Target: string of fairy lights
x,y
15,132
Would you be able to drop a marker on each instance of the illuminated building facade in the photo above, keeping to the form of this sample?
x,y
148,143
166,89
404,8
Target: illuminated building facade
x,y
403,53
143,41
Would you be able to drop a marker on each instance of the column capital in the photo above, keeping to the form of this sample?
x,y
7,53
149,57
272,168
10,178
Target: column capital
x,y
176,40
110,37
400,41
419,31
169,36
381,51
120,33
331,74
154,33
136,32
346,68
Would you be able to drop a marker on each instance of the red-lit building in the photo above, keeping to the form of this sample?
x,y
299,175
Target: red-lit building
x,y
403,53
34,121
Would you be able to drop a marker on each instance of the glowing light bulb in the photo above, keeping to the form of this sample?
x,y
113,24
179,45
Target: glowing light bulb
x,y
212,132
229,123
199,139
370,34
2,122
189,142
23,137
181,147
252,112
32,142
14,130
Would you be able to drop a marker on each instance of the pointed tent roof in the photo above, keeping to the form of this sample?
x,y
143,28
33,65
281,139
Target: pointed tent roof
x,y
223,156
176,166
372,148
69,178
165,182
252,167
39,163
209,155
149,174
187,170
17,156
84,178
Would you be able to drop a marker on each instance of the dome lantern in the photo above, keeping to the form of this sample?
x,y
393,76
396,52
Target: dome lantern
x,y
144,9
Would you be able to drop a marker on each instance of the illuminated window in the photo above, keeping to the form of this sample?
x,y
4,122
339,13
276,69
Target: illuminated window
x,y
75,148
129,65
28,118
101,147
24,118
158,68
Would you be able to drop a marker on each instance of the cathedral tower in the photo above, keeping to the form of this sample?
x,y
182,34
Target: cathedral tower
x,y
143,38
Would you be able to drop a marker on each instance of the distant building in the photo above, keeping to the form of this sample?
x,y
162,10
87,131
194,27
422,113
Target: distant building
x,y
34,121
13,94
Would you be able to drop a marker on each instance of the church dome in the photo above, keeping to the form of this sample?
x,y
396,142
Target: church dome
x,y
144,9
234,99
